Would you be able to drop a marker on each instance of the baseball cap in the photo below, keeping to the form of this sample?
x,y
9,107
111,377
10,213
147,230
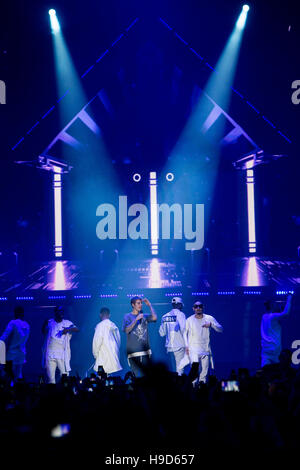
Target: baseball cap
x,y
177,300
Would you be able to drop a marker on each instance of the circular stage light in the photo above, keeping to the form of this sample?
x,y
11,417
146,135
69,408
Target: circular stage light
x,y
136,177
170,176
246,7
52,12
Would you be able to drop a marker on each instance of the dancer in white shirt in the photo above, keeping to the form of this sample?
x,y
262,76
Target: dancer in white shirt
x,y
173,328
15,336
106,344
271,333
197,338
57,351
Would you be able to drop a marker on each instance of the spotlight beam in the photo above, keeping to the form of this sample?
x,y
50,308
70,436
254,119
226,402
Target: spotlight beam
x,y
55,26
240,24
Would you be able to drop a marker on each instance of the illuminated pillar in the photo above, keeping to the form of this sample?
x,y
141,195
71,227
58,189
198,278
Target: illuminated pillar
x,y
153,213
57,185
251,208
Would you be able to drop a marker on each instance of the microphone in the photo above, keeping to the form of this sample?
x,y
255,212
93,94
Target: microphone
x,y
140,320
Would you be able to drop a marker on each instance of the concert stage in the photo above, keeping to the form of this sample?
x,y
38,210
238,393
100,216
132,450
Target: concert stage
x,y
150,148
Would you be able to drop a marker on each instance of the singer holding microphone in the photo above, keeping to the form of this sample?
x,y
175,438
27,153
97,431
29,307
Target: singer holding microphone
x,y
135,325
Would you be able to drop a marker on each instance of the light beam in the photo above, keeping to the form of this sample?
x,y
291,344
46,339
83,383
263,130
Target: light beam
x,y
55,26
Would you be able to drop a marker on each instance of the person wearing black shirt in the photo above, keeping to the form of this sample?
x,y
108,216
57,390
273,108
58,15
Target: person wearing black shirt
x,y
135,325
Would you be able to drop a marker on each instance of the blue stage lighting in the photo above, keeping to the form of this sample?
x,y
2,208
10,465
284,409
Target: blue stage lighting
x,y
200,293
284,292
251,292
226,292
25,298
107,296
174,294
88,296
135,295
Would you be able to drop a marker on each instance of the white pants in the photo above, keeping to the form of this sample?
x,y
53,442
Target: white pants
x,y
178,356
203,364
51,365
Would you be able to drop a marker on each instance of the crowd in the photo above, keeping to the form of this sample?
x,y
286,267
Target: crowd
x,y
160,410
186,410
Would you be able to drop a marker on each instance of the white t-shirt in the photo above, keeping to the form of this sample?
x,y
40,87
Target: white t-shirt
x,y
56,341
198,336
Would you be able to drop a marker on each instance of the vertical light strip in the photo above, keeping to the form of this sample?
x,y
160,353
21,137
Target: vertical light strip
x,y
154,279
154,213
251,210
252,273
57,212
59,276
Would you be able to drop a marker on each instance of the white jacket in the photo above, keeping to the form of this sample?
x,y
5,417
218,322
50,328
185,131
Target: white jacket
x,y
106,346
173,327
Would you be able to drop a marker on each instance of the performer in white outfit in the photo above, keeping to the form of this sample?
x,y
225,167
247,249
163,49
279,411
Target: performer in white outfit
x,y
271,333
197,338
173,328
15,337
106,344
57,351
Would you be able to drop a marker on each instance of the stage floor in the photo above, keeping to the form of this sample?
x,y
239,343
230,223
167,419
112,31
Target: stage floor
x,y
54,276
